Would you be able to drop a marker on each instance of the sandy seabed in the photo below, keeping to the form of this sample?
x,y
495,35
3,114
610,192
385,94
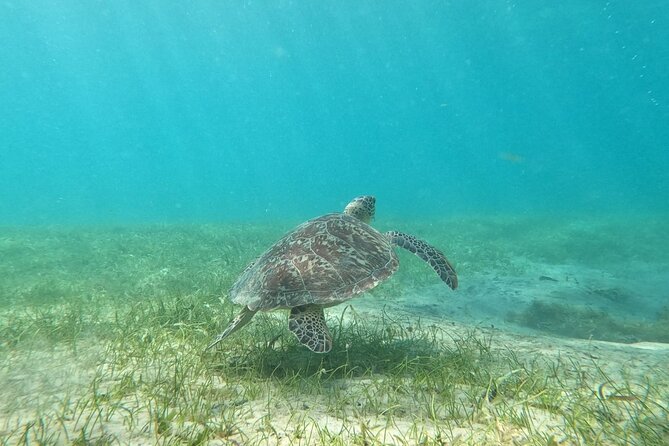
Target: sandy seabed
x,y
51,396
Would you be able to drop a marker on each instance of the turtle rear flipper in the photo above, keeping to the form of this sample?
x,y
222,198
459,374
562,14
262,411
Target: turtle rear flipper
x,y
435,258
236,323
307,322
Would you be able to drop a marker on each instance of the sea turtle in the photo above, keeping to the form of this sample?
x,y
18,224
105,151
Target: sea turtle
x,y
321,263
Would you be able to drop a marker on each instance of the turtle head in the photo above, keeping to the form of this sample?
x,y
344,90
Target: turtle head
x,y
362,208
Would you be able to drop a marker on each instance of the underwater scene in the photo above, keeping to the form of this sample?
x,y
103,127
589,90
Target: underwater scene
x,y
334,223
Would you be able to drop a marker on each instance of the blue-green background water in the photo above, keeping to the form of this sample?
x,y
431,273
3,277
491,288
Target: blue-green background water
x,y
125,111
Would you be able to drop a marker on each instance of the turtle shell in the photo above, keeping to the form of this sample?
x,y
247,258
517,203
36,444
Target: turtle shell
x,y
323,261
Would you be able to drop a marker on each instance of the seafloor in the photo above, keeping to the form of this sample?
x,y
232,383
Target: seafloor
x,y
558,335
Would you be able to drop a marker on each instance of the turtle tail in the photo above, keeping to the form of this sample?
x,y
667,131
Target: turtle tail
x,y
435,258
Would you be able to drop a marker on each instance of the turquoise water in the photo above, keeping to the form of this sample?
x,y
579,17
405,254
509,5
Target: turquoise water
x,y
172,111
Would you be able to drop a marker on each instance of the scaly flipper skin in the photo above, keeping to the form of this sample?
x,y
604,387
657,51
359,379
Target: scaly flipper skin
x,y
236,323
435,258
307,322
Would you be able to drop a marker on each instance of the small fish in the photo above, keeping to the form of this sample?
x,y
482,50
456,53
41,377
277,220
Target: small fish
x,y
622,397
511,157
614,396
550,279
490,394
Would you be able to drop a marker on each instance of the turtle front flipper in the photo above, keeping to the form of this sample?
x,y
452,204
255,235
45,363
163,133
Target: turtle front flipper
x,y
436,259
307,322
236,323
